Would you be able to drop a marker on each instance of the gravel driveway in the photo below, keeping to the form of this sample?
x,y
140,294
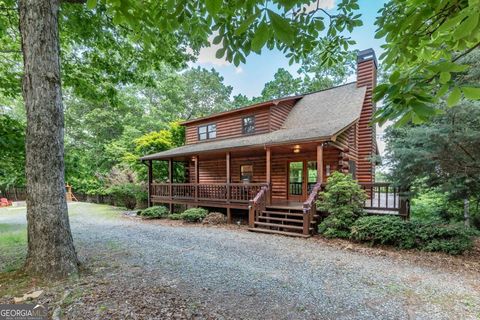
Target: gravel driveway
x,y
243,275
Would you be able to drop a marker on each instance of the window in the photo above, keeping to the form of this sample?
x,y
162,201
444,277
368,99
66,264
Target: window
x,y
207,132
246,173
353,168
248,124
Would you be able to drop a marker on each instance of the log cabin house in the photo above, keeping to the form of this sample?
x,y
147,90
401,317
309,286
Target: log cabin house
x,y
271,158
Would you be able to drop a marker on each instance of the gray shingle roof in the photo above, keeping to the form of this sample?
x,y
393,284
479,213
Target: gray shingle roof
x,y
318,115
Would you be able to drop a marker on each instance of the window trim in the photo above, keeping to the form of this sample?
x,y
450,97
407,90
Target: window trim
x,y
243,124
246,164
207,132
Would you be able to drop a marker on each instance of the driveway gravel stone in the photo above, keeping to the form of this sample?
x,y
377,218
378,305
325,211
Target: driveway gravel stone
x,y
235,274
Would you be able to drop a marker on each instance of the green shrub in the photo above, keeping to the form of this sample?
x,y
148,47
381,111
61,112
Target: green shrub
x,y
194,214
155,212
175,216
448,238
125,194
343,201
427,236
429,205
383,230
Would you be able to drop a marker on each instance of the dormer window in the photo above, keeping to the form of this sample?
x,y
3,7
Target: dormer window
x,y
208,131
248,124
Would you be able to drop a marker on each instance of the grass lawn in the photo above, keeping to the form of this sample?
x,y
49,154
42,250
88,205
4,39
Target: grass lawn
x,y
13,246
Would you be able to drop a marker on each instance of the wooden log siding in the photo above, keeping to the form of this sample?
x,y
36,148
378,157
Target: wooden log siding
x,y
353,142
230,126
366,76
278,114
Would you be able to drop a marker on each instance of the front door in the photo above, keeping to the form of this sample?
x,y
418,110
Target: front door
x,y
302,176
296,178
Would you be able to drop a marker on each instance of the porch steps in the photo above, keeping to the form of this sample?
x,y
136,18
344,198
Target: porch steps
x,y
280,219
284,213
279,225
283,233
283,220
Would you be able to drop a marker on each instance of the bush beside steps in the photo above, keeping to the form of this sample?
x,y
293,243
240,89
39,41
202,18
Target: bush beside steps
x,y
155,212
189,215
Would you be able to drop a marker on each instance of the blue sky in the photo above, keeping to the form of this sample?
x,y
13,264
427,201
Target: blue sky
x,y
249,78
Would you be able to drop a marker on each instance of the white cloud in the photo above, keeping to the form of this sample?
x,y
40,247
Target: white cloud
x,y
324,4
238,70
207,55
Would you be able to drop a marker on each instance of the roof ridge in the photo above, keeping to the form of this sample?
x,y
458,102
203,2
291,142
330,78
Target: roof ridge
x,y
326,89
263,103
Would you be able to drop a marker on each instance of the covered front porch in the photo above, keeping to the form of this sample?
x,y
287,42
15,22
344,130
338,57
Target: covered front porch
x,y
271,184
232,178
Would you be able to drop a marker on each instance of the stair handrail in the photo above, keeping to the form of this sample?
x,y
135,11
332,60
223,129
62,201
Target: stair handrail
x,y
310,207
257,205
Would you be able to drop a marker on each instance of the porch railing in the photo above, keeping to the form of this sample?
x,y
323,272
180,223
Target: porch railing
x,y
257,205
223,192
310,207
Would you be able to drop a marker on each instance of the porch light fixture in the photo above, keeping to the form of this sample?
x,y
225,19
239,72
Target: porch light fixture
x,y
296,149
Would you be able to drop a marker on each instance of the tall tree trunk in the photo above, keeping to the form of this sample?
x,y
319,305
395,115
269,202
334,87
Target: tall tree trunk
x,y
466,212
51,253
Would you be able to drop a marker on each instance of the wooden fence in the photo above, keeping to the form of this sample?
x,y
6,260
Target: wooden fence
x,y
20,194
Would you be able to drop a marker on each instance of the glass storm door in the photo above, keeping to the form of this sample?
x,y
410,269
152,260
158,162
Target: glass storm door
x,y
296,180
311,175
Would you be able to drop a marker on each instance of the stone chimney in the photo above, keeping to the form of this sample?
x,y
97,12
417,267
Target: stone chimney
x,y
367,145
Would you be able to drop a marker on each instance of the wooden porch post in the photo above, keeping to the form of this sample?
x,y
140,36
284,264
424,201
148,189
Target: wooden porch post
x,y
227,160
170,179
150,181
229,179
228,163
197,177
269,175
320,163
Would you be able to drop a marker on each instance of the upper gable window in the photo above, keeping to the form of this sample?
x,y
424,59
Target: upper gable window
x,y
248,124
208,131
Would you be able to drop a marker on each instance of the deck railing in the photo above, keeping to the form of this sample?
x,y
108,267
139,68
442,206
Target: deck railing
x,y
217,192
384,198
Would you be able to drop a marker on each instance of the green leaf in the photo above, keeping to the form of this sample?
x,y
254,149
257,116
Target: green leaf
x,y
443,89
471,93
246,24
454,97
281,27
395,76
217,39
444,77
213,6
260,38
467,26
220,53
91,4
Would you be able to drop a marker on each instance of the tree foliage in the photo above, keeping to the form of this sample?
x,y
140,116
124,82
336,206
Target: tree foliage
x,y
425,41
12,152
444,152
